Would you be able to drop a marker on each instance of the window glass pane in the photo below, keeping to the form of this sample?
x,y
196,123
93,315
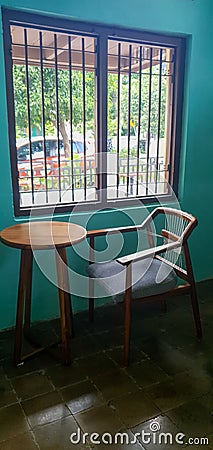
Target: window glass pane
x,y
140,99
54,78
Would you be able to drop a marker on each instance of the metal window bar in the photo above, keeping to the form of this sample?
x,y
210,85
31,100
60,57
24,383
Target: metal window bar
x,y
129,116
101,112
159,121
172,63
43,114
57,114
96,176
71,117
84,118
139,114
28,111
118,116
149,122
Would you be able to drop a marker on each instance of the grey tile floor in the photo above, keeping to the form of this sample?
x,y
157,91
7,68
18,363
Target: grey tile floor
x,y
169,381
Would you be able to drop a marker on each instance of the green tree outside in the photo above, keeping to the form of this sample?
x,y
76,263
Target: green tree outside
x,y
50,104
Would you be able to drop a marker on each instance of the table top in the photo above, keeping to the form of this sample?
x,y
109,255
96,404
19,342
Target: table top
x,y
40,235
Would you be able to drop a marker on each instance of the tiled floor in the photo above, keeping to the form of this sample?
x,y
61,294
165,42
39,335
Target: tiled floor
x,y
169,381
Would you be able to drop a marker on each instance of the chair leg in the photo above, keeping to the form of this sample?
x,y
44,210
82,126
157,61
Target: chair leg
x,y
91,310
91,300
196,312
193,292
69,314
91,281
164,306
127,321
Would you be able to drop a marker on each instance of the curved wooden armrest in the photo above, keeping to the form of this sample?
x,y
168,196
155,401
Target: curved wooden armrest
x,y
105,231
150,252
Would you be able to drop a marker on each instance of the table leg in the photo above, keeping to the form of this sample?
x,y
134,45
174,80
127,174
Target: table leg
x,y
20,306
64,299
68,304
28,284
91,281
127,313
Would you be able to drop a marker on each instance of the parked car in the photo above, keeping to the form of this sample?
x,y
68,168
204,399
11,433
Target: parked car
x,y
37,148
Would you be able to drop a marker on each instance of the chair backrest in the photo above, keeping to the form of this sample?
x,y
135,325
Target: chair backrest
x,y
172,225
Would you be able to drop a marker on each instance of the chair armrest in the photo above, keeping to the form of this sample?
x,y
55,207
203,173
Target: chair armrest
x,y
105,231
125,260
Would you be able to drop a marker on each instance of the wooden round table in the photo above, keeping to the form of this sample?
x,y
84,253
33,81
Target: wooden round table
x,y
41,235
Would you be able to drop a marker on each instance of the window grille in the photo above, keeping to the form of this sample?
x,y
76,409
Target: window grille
x,y
78,90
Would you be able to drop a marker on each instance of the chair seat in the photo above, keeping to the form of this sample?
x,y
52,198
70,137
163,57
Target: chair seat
x,y
149,277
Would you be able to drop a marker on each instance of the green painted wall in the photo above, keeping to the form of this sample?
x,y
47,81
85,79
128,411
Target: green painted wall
x,y
190,17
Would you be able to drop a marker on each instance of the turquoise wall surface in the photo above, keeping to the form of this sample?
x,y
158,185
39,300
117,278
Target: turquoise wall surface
x,y
192,18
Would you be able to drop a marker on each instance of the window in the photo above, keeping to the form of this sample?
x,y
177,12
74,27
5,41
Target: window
x,y
94,112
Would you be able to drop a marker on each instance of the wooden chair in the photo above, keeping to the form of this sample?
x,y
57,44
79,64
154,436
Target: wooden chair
x,y
150,274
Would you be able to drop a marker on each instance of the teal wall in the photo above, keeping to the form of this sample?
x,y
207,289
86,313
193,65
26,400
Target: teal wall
x,y
190,17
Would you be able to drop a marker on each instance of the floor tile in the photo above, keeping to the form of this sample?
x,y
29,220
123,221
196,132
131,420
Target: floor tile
x,y
208,331
134,408
116,354
81,396
205,289
192,419
200,353
6,344
44,409
56,435
107,318
32,365
99,420
84,345
114,384
2,373
7,395
169,358
23,441
178,390
110,338
43,333
207,401
159,432
12,422
62,376
98,364
31,385
146,373
208,446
